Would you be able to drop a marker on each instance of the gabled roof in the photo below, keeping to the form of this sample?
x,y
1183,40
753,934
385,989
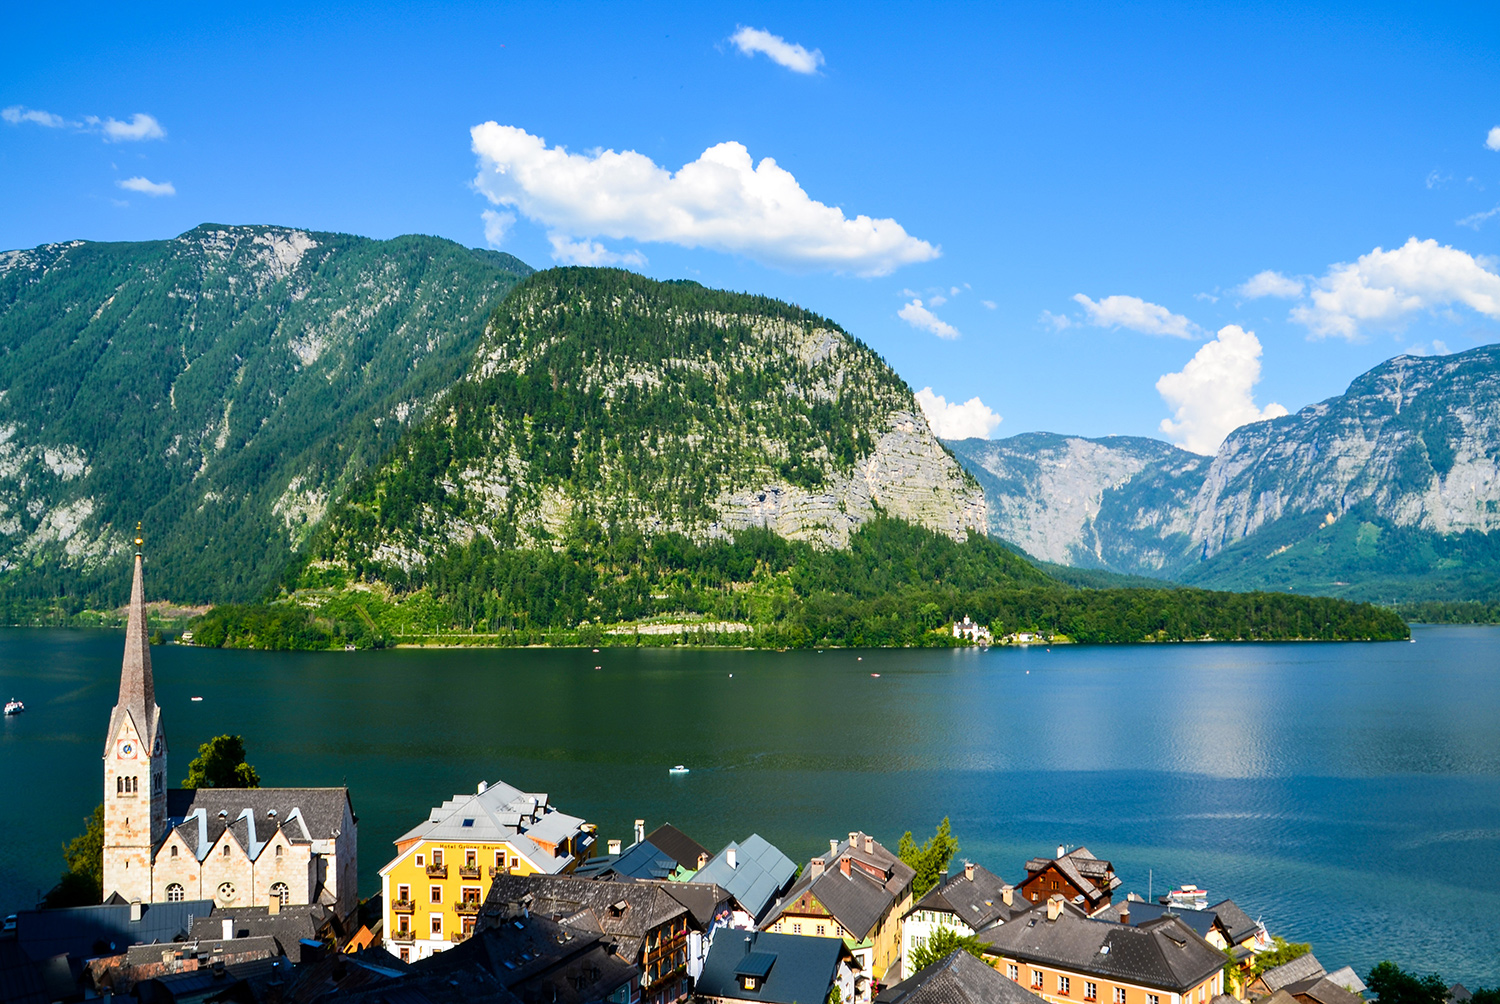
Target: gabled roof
x,y
1168,955
289,926
200,816
1349,980
624,912
1323,990
640,861
86,932
958,979
797,969
1300,968
1093,877
501,813
1142,914
979,901
703,899
896,875
856,900
1236,921
758,876
683,848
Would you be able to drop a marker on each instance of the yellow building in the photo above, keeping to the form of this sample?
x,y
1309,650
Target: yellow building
x,y
433,889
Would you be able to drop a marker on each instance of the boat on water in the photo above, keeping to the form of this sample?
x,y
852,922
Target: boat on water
x,y
679,769
14,707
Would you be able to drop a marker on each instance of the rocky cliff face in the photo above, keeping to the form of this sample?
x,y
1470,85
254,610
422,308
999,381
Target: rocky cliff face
x,y
222,387
598,396
1411,452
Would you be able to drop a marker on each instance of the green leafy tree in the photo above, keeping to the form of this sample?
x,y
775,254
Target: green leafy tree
x,y
1282,952
929,860
221,764
942,943
83,883
1394,985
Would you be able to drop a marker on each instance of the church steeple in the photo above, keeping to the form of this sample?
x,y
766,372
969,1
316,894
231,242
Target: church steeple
x,y
135,762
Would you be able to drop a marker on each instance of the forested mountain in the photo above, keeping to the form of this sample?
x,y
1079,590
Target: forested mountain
x,y
1389,491
222,386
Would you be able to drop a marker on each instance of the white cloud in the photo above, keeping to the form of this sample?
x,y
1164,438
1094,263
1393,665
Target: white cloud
x,y
1475,220
794,57
1492,141
937,300
16,114
721,201
989,304
1212,395
1437,348
972,419
1057,322
496,226
1270,283
1137,315
923,319
141,126
1384,288
571,252
146,186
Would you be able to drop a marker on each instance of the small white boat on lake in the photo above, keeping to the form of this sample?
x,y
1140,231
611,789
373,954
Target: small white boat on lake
x,y
679,769
14,707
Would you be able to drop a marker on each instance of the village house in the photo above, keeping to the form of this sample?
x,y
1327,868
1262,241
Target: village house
x,y
433,888
1076,875
687,852
767,968
972,900
967,630
639,922
1303,967
858,892
958,979
755,873
237,847
1064,957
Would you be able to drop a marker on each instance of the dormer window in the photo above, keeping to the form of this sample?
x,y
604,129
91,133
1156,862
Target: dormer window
x,y
618,908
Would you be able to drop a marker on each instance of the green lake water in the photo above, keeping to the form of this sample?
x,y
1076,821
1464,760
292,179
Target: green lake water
x,y
1349,794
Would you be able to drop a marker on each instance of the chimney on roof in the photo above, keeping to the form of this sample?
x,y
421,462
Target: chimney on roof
x,y
1125,913
135,911
227,927
702,860
853,839
614,847
1008,895
749,942
274,905
482,786
844,865
833,848
869,844
969,870
1054,906
640,830
817,867
731,856
1062,851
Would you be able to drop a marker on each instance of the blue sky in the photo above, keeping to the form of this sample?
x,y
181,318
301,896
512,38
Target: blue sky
x,y
1071,200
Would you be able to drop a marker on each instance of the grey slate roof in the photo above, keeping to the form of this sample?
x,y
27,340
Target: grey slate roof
x,y
537,959
1323,990
289,927
585,903
856,900
86,932
1349,979
1300,968
639,861
978,902
1168,954
1141,914
253,815
502,812
703,899
760,874
958,979
683,848
801,969
1236,921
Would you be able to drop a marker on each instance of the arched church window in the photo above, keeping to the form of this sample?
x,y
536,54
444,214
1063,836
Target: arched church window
x,y
174,850
278,850
119,786
226,892
226,850
279,891
174,891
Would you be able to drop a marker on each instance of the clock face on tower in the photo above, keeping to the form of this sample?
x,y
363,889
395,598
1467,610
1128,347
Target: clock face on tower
x,y
156,750
126,749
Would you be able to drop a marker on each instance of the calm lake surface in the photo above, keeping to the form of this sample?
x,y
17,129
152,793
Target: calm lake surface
x,y
1348,794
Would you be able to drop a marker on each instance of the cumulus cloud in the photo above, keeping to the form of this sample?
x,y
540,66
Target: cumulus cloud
x,y
972,419
1137,315
1384,288
1270,283
1212,395
923,319
571,252
496,226
16,114
721,201
141,126
794,57
146,186
1492,141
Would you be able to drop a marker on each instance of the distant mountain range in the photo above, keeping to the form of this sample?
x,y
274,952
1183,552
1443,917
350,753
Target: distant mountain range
x,y
1386,492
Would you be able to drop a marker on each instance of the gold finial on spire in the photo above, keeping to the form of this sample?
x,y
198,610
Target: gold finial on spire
x,y
139,540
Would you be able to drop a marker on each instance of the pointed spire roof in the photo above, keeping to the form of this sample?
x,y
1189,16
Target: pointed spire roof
x,y
137,688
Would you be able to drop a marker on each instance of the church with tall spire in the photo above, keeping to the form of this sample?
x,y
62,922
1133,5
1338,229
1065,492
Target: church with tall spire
x,y
240,847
